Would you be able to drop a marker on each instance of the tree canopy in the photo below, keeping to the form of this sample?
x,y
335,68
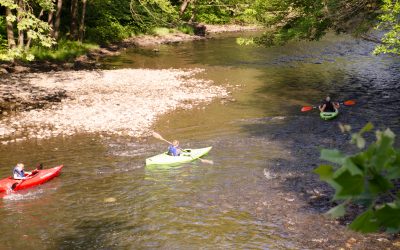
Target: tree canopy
x,y
310,20
42,23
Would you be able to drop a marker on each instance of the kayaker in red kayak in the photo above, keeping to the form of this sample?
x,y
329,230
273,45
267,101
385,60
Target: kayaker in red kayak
x,y
328,105
19,173
174,148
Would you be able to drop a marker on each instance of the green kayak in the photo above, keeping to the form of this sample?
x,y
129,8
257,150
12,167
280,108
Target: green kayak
x,y
328,115
187,156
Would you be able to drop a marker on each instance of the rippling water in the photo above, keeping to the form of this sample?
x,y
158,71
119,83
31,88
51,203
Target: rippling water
x,y
106,198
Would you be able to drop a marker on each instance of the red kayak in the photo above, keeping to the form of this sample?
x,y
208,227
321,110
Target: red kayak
x,y
37,177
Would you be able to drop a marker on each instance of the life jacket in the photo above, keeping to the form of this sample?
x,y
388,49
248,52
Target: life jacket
x,y
329,107
173,151
19,173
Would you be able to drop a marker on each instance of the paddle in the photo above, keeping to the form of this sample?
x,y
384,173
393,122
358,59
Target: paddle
x,y
16,184
345,103
158,136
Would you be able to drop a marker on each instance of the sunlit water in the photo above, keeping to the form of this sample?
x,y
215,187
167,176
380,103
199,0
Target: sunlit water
x,y
107,199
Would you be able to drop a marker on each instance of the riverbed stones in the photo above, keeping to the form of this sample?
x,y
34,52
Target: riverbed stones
x,y
120,102
3,71
20,69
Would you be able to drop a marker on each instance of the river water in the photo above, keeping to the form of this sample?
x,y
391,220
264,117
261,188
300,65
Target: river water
x,y
253,197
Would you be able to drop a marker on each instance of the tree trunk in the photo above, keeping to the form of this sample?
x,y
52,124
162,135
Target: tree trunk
x,y
82,24
74,19
50,21
10,31
184,5
193,17
21,35
58,18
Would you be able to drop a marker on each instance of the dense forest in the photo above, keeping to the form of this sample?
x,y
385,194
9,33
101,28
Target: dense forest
x,y
28,26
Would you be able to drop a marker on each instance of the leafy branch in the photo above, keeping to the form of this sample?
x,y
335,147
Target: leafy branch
x,y
368,178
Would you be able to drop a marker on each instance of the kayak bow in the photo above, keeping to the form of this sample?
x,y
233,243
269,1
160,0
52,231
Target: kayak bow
x,y
328,115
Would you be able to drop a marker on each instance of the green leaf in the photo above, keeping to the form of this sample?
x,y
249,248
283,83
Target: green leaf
x,y
379,184
365,222
360,160
349,185
389,216
358,140
394,171
344,128
389,133
338,211
353,168
368,127
325,172
333,156
384,153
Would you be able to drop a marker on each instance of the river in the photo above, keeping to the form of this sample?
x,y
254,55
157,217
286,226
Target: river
x,y
259,192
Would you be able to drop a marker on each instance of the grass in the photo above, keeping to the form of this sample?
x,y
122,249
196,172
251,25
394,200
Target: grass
x,y
159,31
64,50
187,29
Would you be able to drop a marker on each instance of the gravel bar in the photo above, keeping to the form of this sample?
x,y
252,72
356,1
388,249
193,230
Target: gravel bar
x,y
118,102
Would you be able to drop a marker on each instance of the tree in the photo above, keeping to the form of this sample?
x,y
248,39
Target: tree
x,y
310,20
20,13
21,17
10,32
58,19
183,7
54,21
82,24
74,20
389,21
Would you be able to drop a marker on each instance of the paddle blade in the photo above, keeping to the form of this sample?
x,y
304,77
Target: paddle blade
x,y
207,161
349,102
306,108
157,136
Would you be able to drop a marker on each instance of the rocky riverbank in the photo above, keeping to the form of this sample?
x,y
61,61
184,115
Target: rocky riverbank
x,y
122,102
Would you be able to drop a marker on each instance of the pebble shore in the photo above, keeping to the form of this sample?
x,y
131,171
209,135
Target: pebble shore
x,y
119,102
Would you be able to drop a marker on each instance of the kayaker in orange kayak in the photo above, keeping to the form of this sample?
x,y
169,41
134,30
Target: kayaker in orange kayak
x,y
328,105
19,173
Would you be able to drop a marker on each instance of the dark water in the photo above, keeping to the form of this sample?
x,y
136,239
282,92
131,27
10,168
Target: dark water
x,y
106,198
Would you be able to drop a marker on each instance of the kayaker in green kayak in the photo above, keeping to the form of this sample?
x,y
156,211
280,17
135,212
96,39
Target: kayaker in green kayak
x,y
328,105
174,148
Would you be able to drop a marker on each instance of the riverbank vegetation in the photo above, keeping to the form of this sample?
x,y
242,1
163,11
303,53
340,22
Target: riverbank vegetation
x,y
374,20
48,23
366,183
28,28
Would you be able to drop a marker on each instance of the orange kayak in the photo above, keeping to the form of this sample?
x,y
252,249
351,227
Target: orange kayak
x,y
37,177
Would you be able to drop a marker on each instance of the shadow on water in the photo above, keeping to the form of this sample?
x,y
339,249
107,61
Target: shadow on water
x,y
350,73
294,190
91,234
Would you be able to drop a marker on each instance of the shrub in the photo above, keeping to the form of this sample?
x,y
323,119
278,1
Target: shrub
x,y
369,178
64,50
